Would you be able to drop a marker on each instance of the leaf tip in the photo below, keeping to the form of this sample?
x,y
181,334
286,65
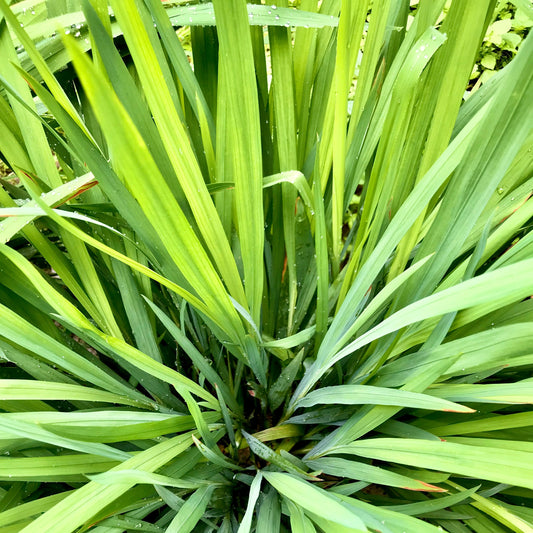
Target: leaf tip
x,y
426,487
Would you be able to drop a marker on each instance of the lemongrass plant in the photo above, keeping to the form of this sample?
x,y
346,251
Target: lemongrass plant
x,y
277,282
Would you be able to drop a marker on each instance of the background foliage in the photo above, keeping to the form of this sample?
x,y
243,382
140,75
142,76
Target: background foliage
x,y
504,37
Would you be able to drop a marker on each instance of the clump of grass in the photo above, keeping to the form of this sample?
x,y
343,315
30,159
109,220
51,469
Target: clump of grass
x,y
230,300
